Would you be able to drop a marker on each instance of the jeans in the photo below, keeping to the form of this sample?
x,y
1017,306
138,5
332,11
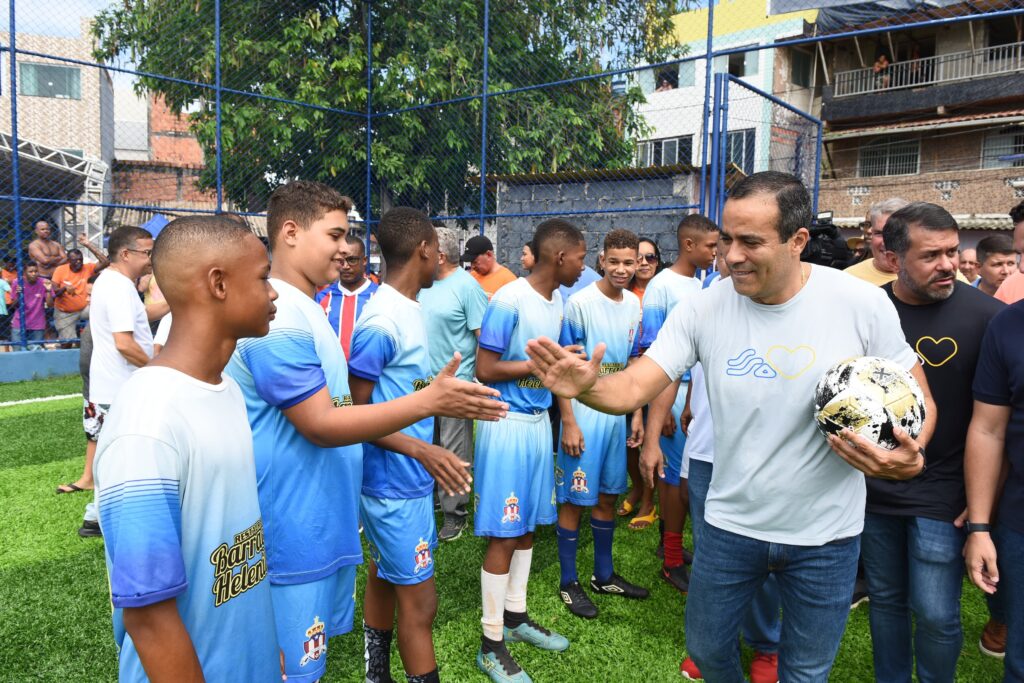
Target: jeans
x,y
1010,560
914,566
815,586
17,335
762,626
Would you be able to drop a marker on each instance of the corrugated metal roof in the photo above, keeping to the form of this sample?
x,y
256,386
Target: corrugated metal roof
x,y
966,221
965,121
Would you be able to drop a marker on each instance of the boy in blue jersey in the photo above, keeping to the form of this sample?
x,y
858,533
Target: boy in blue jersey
x,y
514,468
390,359
591,466
175,480
306,432
697,237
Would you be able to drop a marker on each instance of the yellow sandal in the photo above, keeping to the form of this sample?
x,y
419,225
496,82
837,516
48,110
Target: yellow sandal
x,y
641,523
625,509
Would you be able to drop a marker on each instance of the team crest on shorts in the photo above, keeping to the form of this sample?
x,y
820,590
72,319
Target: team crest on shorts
x,y
579,482
422,556
316,643
511,511
559,476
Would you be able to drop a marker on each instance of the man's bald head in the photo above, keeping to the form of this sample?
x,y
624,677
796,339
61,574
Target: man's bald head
x,y
189,246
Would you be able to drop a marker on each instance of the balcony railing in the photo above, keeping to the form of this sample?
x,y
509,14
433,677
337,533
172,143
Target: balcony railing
x,y
956,66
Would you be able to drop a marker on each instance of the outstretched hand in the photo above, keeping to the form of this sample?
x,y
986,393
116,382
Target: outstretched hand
x,y
453,397
903,462
447,469
563,372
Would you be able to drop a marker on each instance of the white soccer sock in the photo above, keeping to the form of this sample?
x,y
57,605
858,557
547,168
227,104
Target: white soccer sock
x,y
493,588
518,576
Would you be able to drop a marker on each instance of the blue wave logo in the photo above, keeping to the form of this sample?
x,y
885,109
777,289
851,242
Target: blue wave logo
x,y
749,362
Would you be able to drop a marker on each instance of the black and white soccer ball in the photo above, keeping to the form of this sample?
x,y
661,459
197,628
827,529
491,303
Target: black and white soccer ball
x,y
869,396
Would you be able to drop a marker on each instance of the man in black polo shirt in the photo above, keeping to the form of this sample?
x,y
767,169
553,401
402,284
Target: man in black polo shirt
x,y
912,540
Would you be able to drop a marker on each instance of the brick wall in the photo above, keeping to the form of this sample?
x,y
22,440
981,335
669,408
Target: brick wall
x,y
148,183
652,193
169,138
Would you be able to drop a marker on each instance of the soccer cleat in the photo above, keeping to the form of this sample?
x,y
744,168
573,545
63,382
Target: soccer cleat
x,y
677,577
89,529
533,633
690,671
452,528
764,668
577,600
500,667
993,639
616,585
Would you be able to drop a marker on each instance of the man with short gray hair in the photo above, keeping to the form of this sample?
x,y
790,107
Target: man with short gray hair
x,y
876,269
453,310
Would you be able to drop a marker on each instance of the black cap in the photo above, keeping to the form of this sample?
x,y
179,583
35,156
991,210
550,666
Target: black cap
x,y
475,246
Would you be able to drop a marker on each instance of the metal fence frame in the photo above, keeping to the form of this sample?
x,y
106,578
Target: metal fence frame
x,y
713,129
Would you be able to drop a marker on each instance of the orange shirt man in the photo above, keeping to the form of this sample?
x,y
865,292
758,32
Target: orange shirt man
x,y
484,267
71,294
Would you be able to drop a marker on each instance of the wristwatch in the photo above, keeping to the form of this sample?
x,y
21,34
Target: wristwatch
x,y
972,527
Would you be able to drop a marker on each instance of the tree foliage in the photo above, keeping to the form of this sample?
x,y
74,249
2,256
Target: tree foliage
x,y
314,52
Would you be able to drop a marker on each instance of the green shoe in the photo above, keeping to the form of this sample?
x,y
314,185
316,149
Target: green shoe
x,y
500,667
533,633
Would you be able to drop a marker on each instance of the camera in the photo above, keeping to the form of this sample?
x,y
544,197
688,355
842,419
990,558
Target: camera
x,y
826,246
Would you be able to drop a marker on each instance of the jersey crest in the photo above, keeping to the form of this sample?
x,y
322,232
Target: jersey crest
x,y
511,510
316,643
579,481
422,557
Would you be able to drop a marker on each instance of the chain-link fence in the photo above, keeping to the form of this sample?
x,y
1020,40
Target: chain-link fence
x,y
488,114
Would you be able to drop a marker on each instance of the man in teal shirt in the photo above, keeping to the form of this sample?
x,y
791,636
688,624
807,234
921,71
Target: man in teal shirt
x,y
453,310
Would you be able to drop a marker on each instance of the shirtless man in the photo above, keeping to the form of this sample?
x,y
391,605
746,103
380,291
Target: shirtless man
x,y
46,252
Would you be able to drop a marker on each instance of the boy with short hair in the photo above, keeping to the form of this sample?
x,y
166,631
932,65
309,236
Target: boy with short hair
x,y
306,432
175,479
390,359
591,468
514,468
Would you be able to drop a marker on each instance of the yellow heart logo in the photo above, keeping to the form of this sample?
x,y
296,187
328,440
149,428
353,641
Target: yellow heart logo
x,y
936,352
791,363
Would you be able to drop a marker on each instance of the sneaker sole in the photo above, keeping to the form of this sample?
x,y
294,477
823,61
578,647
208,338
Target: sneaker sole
x,y
855,605
991,653
621,594
446,539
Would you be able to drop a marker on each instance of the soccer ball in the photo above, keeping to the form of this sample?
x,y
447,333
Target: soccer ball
x,y
869,396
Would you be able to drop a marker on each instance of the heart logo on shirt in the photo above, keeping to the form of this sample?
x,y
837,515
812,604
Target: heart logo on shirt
x,y
936,352
791,363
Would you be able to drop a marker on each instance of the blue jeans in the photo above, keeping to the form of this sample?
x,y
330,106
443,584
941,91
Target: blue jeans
x,y
913,566
761,627
1010,560
815,586
17,335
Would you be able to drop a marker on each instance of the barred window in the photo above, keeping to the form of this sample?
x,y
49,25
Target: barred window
x,y
891,157
665,152
1003,148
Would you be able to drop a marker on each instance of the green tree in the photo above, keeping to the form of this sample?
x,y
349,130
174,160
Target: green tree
x,y
315,52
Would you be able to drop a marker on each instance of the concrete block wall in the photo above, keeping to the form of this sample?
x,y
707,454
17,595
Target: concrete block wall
x,y
656,194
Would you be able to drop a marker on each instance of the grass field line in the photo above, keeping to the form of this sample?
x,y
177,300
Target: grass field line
x,y
41,399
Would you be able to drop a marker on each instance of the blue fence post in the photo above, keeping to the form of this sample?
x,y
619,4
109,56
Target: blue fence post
x,y
219,142
723,142
713,174
369,131
708,104
16,174
483,115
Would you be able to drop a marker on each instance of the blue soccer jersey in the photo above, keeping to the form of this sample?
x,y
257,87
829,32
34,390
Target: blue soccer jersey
x,y
176,491
665,290
516,314
309,495
389,348
592,318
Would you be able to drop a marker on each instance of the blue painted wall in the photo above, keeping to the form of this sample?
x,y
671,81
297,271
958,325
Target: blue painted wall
x,y
18,366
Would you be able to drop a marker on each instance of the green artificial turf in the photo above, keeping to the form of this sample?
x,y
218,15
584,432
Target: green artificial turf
x,y
55,609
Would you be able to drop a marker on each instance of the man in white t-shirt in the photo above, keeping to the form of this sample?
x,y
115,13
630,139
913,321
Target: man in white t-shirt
x,y
122,339
780,503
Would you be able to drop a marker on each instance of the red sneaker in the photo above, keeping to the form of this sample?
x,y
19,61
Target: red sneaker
x,y
688,670
764,668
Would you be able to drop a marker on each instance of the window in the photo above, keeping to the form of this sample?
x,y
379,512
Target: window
x,y
891,157
1003,148
743,64
665,152
48,80
687,74
740,147
74,152
800,67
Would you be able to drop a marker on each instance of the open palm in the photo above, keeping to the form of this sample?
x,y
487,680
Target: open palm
x,y
565,373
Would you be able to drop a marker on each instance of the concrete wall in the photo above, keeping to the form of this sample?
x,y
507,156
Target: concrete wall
x,y
19,366
653,193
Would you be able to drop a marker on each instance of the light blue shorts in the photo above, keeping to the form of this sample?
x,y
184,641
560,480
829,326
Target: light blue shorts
x,y
402,536
602,466
673,447
514,476
308,615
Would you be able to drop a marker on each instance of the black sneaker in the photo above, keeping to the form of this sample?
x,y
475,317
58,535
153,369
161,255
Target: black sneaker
x,y
616,585
677,577
452,528
687,556
576,600
89,529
